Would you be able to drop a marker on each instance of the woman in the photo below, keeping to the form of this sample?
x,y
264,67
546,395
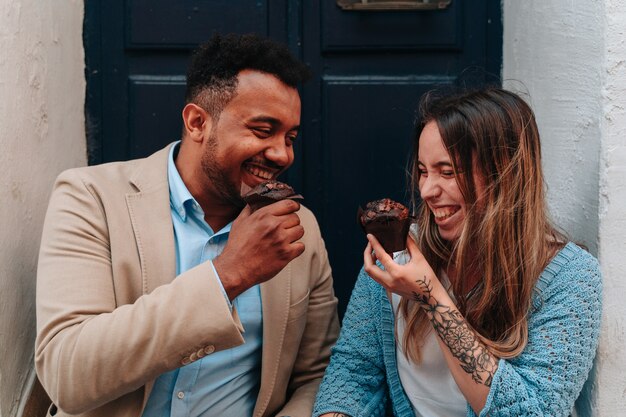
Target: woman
x,y
495,313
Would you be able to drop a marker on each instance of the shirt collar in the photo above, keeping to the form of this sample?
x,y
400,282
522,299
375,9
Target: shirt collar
x,y
180,197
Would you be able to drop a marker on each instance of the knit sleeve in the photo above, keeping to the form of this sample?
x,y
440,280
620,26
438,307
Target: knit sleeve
x,y
354,382
563,331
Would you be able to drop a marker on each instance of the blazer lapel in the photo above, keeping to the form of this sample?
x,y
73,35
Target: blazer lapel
x,y
150,215
154,236
275,298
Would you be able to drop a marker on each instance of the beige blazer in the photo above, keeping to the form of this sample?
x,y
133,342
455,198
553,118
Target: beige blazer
x,y
111,317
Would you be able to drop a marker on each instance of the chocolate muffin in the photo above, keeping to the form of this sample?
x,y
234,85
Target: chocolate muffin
x,y
388,221
269,192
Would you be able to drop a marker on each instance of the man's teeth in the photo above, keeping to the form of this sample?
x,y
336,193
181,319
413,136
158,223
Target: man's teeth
x,y
266,175
444,213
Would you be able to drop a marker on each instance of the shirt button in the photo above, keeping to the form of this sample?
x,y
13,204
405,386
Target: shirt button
x,y
186,361
180,395
193,357
209,349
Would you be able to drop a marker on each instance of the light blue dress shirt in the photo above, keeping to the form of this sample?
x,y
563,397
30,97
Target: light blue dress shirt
x,y
225,383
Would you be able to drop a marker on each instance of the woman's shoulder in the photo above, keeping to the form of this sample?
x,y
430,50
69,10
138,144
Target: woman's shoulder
x,y
574,264
572,274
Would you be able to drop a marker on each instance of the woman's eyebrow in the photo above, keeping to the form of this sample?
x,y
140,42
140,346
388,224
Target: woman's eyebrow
x,y
437,164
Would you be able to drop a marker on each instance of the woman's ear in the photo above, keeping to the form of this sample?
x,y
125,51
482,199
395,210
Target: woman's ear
x,y
196,121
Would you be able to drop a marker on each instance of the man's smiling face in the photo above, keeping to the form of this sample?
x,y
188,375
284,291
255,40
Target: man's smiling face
x,y
253,138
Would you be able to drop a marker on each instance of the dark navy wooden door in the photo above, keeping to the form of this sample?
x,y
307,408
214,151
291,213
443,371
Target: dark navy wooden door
x,y
370,69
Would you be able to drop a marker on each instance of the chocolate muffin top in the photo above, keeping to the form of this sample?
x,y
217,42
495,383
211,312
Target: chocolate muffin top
x,y
383,210
268,192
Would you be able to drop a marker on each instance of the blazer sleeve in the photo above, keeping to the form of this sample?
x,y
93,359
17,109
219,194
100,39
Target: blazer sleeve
x,y
320,331
354,382
548,376
89,350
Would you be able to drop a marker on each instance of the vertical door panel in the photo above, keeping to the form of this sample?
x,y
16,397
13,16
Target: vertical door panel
x,y
166,24
155,108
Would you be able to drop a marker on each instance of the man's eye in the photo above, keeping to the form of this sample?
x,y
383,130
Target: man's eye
x,y
422,172
261,132
447,174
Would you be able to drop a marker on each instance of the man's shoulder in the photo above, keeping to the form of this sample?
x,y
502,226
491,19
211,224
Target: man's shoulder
x,y
100,170
105,179
119,173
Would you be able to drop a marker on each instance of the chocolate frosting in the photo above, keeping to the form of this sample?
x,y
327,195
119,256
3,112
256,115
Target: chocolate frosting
x,y
269,192
388,221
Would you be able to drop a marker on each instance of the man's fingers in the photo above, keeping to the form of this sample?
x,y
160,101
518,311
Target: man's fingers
x,y
246,212
297,248
282,207
290,220
289,252
294,233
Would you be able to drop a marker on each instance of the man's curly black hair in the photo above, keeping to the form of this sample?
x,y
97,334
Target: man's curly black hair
x,y
212,74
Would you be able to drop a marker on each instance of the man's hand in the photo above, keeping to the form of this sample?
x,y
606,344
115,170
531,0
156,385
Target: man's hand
x,y
260,245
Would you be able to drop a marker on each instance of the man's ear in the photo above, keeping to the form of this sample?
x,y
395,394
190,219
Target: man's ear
x,y
196,121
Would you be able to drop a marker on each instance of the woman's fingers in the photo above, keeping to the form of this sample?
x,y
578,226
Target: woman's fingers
x,y
399,279
381,255
369,262
414,251
368,256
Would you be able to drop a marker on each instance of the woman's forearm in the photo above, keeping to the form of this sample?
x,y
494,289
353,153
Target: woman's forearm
x,y
469,360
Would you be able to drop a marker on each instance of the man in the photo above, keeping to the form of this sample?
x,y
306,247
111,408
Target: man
x,y
159,292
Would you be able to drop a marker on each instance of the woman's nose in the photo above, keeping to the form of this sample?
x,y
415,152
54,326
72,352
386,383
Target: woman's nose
x,y
429,187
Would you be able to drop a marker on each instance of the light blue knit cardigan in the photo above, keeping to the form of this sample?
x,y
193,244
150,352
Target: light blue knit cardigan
x,y
544,380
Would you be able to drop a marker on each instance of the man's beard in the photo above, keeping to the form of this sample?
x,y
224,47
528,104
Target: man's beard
x,y
228,191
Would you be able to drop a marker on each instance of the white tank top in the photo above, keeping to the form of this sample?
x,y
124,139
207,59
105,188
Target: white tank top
x,y
430,386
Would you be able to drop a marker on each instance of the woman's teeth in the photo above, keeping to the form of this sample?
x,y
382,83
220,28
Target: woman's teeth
x,y
444,212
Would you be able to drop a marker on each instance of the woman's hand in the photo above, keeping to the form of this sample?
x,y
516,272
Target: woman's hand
x,y
413,280
471,363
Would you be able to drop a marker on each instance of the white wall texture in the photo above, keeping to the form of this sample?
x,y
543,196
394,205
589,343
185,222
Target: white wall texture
x,y
610,394
42,91
554,50
570,56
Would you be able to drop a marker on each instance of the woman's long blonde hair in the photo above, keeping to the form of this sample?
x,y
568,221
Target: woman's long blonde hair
x,y
507,239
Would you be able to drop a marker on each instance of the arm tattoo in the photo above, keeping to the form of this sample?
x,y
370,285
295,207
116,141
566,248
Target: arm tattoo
x,y
456,333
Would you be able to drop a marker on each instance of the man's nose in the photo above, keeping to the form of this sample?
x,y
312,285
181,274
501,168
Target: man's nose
x,y
279,152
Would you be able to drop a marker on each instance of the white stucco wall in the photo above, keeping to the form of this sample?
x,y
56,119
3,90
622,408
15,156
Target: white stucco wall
x,y
42,89
554,50
571,57
610,398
